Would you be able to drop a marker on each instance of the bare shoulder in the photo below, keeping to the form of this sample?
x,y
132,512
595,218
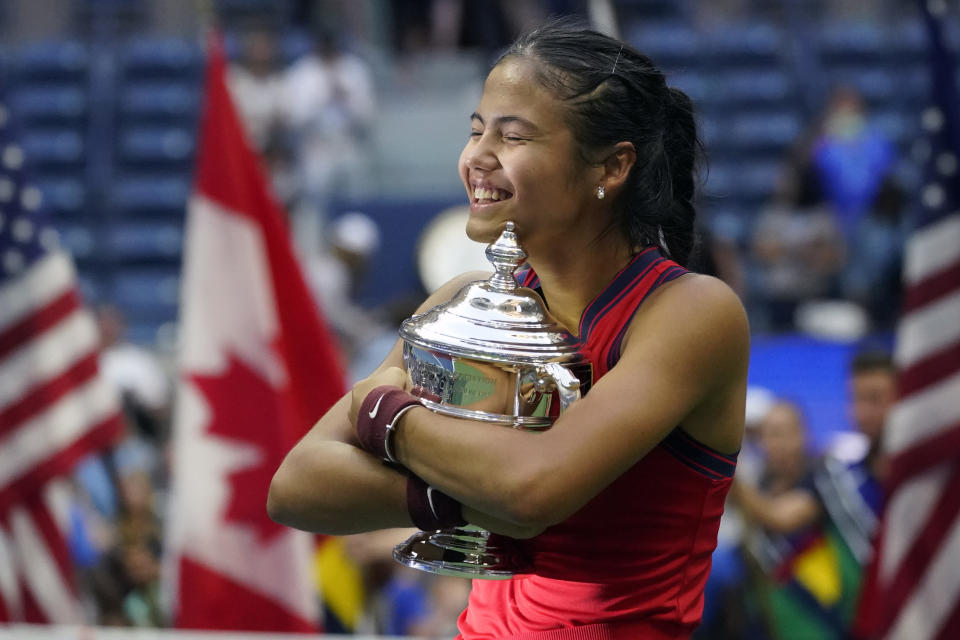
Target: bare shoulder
x,y
694,304
697,323
694,330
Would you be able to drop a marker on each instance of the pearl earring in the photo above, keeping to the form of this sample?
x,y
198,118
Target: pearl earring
x,y
601,192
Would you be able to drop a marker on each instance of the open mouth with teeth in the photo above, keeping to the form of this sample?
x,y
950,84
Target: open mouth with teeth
x,y
485,195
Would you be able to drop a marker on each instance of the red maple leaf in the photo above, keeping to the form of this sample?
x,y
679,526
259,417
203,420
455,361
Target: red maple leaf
x,y
247,408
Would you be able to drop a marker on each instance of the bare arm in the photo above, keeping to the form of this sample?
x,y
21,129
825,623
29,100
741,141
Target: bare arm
x,y
684,363
784,513
327,484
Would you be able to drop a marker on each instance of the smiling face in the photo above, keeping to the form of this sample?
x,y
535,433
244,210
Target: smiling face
x,y
521,163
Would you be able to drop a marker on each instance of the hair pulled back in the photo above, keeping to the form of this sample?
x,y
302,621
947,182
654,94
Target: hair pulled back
x,y
616,94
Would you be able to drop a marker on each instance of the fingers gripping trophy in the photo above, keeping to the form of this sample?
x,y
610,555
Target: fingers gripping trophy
x,y
493,353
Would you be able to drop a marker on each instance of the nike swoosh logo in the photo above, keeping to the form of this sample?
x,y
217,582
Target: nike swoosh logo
x,y
430,500
376,407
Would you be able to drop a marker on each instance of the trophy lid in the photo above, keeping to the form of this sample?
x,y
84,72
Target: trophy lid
x,y
495,320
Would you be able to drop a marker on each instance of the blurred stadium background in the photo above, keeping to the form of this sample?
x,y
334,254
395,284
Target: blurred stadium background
x,y
107,94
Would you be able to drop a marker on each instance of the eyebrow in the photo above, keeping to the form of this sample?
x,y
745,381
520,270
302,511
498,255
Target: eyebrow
x,y
506,119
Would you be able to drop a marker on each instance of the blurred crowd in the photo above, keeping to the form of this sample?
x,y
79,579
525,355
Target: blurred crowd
x,y
833,229
796,538
823,255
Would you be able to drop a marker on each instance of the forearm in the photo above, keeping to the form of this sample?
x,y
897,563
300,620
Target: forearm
x,y
327,485
456,456
337,489
785,513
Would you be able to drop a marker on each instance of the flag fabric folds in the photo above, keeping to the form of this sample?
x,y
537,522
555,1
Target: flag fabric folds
x,y
257,369
54,407
914,591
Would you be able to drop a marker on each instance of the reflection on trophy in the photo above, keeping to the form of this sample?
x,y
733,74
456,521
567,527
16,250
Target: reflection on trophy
x,y
492,353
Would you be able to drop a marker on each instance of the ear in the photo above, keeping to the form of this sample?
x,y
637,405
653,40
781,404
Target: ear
x,y
617,165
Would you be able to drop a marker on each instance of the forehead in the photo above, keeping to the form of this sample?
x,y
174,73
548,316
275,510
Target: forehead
x,y
872,378
512,89
782,415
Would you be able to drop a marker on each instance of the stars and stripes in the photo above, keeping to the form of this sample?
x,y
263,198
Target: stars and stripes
x,y
915,593
54,409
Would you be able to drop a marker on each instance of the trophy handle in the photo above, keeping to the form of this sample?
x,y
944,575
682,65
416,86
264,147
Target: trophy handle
x,y
567,384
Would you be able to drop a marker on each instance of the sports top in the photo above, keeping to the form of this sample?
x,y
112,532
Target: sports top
x,y
631,563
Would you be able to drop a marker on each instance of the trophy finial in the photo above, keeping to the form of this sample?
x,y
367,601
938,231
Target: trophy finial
x,y
506,256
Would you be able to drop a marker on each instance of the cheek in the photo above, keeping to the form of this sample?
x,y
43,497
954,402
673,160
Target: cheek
x,y
462,165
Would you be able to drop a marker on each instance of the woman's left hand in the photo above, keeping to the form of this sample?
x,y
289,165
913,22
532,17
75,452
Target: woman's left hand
x,y
392,376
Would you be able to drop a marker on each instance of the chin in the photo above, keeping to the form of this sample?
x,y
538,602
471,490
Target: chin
x,y
482,230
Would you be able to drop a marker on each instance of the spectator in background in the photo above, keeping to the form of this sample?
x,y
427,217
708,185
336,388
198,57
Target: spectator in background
x,y
328,106
797,247
828,520
116,499
334,273
851,157
144,387
256,83
850,480
136,372
783,502
872,276
794,583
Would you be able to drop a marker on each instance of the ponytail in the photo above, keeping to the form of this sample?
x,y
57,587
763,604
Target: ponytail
x,y
680,148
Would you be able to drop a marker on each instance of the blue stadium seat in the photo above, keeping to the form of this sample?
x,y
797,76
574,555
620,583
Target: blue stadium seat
x,y
156,145
743,184
744,44
728,222
160,101
909,41
91,289
750,134
169,58
81,240
901,126
884,86
66,196
673,47
750,88
694,83
146,240
840,42
62,104
765,130
165,193
904,42
150,292
53,148
60,60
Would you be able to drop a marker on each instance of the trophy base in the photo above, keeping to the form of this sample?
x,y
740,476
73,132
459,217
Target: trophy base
x,y
461,553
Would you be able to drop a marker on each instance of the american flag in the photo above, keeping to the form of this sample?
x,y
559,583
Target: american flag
x,y
915,591
54,409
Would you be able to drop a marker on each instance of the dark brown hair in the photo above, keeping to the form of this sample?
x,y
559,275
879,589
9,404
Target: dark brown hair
x,y
617,94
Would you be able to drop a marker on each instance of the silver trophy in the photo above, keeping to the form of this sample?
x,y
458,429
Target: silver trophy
x,y
493,353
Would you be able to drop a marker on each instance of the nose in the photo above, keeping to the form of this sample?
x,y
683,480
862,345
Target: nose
x,y
479,154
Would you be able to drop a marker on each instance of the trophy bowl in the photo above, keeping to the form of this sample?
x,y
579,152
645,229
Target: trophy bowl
x,y
493,353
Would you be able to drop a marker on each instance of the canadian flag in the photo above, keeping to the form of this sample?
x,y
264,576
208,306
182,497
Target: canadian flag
x,y
257,368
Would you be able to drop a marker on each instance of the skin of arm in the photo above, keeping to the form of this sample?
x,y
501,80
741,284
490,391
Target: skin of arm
x,y
784,513
327,484
684,362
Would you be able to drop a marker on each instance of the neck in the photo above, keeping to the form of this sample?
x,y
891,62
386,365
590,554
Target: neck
x,y
573,274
